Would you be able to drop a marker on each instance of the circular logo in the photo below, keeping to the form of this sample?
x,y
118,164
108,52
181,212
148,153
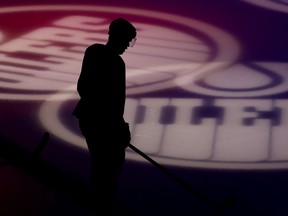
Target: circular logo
x,y
42,62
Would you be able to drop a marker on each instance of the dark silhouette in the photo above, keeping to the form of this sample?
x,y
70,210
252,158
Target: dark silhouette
x,y
101,86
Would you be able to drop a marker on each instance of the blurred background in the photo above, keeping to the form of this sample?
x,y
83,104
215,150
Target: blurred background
x,y
206,98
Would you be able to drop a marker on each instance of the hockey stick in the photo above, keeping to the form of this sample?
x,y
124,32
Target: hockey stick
x,y
218,207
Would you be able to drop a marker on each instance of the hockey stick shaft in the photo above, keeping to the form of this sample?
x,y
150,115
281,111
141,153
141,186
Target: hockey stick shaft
x,y
175,177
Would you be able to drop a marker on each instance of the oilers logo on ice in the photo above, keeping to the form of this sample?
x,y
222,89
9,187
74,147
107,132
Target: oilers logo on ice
x,y
42,61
